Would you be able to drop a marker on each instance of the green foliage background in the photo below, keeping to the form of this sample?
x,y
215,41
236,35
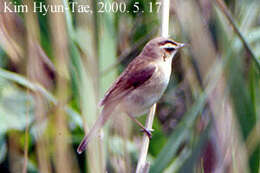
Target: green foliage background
x,y
55,68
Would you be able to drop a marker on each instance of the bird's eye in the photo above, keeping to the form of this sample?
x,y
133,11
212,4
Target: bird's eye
x,y
169,49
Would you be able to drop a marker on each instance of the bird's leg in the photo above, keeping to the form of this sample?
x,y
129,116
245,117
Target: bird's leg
x,y
144,129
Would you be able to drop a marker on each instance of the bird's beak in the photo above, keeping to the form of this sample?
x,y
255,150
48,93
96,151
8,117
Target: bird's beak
x,y
181,45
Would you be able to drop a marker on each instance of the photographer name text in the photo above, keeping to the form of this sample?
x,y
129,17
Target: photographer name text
x,y
43,8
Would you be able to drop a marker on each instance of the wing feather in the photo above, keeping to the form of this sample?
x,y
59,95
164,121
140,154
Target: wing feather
x,y
137,73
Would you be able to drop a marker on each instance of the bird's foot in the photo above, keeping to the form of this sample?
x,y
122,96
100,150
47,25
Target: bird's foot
x,y
148,132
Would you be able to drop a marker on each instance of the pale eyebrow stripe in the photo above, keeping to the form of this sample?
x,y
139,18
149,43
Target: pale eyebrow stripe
x,y
167,41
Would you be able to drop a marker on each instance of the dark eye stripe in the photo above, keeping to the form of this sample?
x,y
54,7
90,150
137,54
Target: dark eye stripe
x,y
167,41
169,49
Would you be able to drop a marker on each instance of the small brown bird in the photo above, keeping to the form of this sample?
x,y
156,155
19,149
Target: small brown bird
x,y
140,86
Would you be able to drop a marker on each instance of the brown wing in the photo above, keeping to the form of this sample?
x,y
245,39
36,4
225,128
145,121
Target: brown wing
x,y
137,73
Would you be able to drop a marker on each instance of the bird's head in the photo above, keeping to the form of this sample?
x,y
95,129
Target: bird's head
x,y
161,48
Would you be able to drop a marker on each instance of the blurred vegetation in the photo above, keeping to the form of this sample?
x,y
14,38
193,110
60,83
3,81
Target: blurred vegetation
x,y
54,68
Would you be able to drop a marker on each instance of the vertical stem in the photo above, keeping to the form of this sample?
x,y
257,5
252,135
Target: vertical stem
x,y
96,47
165,18
142,165
63,154
35,72
26,142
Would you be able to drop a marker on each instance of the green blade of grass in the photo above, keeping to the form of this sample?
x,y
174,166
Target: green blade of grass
x,y
178,136
35,87
182,131
196,152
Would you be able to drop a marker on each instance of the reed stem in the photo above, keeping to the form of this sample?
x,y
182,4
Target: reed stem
x,y
142,165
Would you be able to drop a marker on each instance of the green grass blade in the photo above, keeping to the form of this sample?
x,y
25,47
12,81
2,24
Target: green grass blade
x,y
182,131
35,87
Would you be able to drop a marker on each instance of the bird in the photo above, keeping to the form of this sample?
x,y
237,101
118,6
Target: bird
x,y
139,86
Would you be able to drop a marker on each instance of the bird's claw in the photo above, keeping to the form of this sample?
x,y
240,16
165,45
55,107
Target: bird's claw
x,y
148,132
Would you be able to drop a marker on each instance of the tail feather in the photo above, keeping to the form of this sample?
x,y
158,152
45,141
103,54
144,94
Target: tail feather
x,y
102,119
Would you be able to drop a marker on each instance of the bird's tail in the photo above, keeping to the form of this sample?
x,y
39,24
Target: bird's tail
x,y
103,117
